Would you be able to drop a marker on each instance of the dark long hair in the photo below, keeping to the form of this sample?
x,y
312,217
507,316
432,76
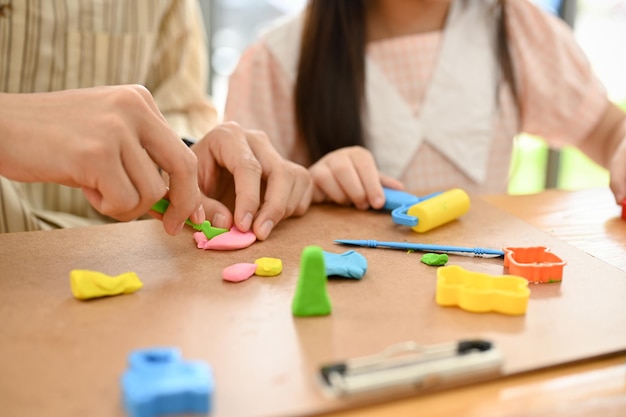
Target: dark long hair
x,y
330,86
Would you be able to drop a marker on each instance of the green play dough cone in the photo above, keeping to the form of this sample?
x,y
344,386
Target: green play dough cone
x,y
311,297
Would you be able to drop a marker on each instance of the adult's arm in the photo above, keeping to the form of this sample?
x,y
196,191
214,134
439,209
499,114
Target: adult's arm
x,y
106,141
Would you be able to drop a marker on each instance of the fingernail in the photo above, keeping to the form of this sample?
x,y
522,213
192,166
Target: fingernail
x,y
266,228
378,202
219,220
178,228
200,215
246,221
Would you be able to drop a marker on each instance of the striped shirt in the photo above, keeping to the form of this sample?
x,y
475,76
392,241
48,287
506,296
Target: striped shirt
x,y
51,45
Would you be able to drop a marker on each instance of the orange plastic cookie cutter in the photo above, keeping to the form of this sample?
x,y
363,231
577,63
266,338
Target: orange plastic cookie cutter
x,y
481,293
536,263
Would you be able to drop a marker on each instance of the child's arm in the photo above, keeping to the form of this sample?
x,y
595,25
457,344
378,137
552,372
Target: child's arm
x,y
606,145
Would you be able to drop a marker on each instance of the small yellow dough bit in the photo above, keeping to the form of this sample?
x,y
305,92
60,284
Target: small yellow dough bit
x,y
268,267
91,284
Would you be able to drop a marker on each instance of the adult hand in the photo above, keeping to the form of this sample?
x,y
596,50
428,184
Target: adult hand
x,y
105,140
350,176
240,167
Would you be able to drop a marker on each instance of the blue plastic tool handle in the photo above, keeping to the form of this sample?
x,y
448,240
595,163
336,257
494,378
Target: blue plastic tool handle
x,y
400,216
399,203
397,198
480,252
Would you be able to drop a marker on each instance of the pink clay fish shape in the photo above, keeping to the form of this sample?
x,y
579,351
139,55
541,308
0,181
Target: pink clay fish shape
x,y
231,240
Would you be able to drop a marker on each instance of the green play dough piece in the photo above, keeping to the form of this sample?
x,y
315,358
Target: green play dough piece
x,y
435,259
311,297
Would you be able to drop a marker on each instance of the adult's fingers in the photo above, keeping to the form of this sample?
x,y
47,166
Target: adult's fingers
x,y
143,174
319,196
301,193
280,176
102,172
229,146
174,157
127,185
217,213
289,192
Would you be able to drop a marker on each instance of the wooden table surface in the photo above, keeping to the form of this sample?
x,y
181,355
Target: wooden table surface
x,y
589,220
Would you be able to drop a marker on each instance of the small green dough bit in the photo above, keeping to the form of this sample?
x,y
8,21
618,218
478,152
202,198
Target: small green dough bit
x,y
435,259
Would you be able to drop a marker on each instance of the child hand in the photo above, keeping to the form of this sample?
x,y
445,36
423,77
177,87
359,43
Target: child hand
x,y
350,176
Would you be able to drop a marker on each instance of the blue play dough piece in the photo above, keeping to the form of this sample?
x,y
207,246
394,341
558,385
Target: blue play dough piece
x,y
158,382
349,264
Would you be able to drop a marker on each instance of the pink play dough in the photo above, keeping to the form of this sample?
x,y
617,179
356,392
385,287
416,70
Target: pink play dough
x,y
231,240
238,272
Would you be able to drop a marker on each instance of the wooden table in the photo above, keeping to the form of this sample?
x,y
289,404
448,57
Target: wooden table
x,y
589,220
585,219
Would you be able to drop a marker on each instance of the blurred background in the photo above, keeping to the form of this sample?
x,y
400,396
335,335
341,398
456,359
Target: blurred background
x,y
599,26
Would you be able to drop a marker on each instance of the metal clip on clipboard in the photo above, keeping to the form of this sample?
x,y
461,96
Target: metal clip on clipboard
x,y
410,364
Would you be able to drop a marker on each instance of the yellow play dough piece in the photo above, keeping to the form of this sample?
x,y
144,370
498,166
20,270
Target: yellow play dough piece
x,y
268,267
91,284
481,293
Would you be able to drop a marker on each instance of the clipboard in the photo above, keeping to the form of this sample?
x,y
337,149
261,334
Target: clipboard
x,y
280,376
417,366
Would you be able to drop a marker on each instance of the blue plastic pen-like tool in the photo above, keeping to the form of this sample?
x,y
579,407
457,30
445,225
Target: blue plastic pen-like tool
x,y
451,250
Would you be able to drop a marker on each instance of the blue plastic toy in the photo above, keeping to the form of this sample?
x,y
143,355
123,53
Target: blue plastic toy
x,y
158,382
399,202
